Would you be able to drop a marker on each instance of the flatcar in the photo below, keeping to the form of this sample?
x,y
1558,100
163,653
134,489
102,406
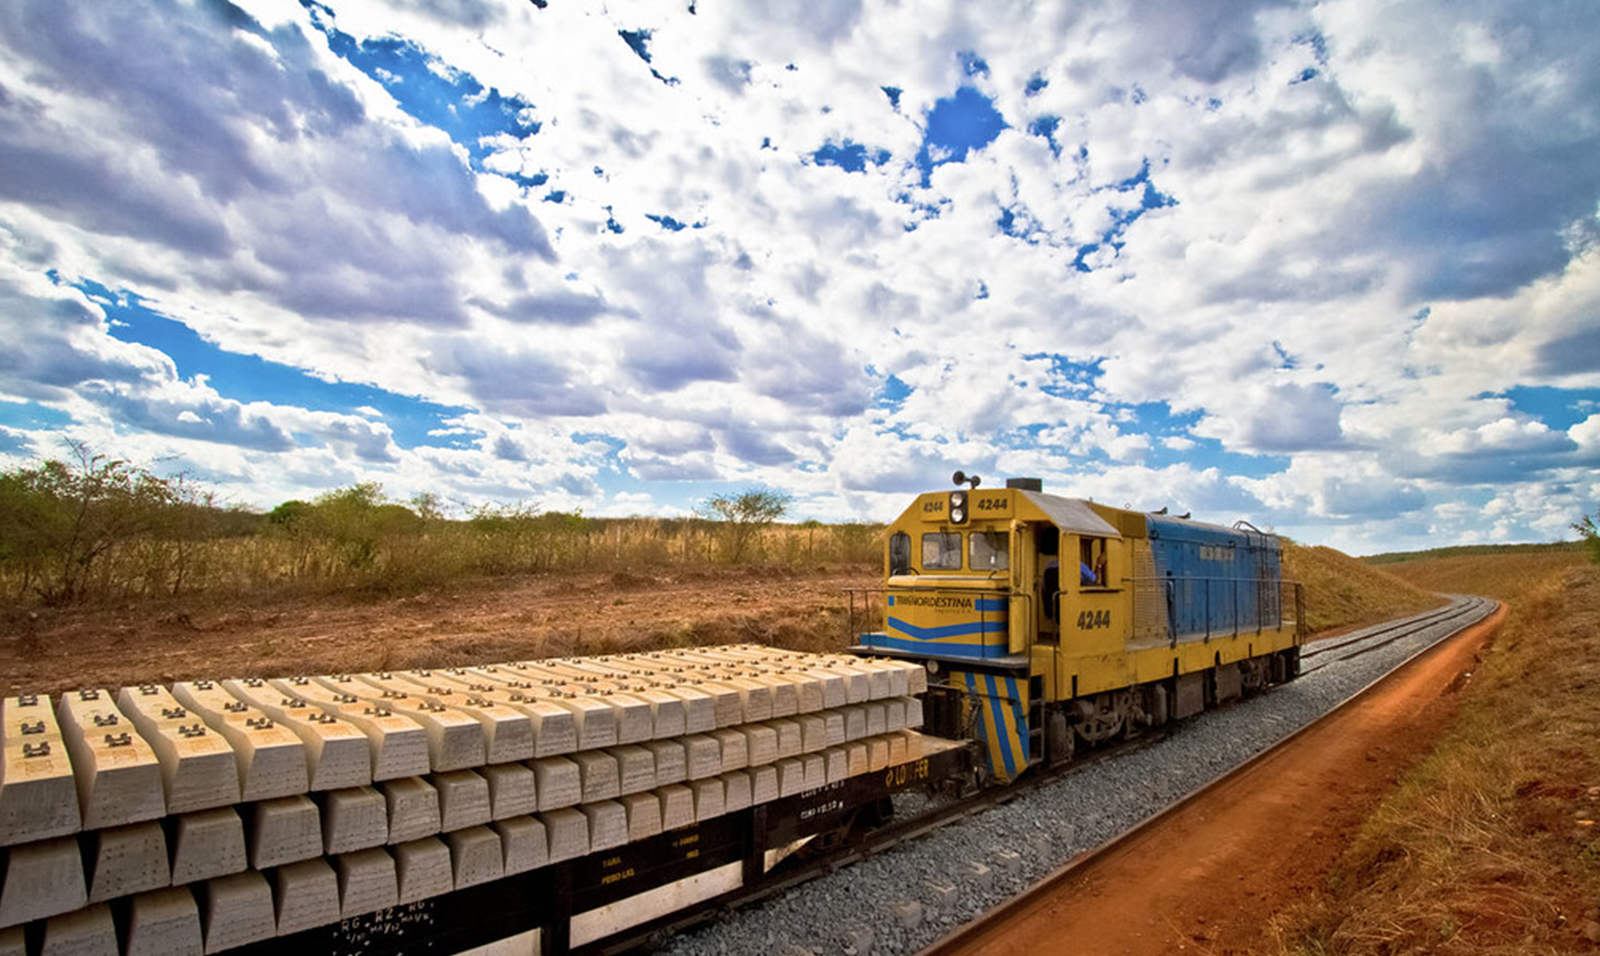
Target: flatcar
x,y
1047,622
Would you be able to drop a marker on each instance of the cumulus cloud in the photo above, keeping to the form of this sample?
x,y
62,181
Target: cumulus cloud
x,y
1275,418
208,419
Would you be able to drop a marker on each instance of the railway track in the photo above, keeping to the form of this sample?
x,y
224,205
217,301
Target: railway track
x,y
1365,641
989,931
929,816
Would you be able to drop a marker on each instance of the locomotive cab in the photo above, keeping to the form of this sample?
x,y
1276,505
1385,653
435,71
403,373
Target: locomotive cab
x,y
1045,622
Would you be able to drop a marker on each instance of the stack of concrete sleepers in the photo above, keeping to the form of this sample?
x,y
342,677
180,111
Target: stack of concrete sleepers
x,y
212,814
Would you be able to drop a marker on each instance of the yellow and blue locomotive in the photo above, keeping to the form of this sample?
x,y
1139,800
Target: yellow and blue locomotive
x,y
1046,622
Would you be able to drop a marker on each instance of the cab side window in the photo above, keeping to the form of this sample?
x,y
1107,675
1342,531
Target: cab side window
x,y
1092,562
900,553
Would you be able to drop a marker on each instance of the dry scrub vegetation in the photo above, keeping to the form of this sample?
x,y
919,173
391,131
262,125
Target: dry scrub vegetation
x,y
1491,844
96,529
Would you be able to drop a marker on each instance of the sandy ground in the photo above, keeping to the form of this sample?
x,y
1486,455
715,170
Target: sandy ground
x,y
50,651
1208,878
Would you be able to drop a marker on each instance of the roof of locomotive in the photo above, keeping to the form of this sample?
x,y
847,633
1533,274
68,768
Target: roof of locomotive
x,y
1181,529
1072,515
1079,516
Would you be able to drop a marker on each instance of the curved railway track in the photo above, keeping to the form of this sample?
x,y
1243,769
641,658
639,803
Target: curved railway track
x,y
1461,608
990,932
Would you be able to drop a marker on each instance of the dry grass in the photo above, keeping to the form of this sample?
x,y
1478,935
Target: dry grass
x,y
418,556
1345,592
1508,577
1490,845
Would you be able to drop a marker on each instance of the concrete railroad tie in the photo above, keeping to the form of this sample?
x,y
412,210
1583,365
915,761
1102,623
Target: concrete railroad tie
x,y
214,814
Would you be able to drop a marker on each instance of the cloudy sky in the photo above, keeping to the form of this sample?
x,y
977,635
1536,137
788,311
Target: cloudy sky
x,y
1331,267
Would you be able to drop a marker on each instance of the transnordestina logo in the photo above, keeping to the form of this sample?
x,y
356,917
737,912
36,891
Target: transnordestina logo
x,y
917,600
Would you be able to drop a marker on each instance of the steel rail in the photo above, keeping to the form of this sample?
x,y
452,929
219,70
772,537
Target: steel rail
x,y
1459,609
800,869
1082,861
1334,643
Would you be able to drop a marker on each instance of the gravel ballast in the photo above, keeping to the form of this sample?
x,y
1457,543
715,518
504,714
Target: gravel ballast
x,y
903,899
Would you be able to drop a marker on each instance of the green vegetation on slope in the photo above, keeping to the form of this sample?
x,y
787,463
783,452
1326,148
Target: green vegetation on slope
x,y
1468,550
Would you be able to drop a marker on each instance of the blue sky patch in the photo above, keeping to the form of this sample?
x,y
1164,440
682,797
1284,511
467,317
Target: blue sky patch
x,y
1045,127
250,378
850,156
892,393
1285,360
1017,226
638,41
667,222
1065,377
1318,44
32,416
1558,408
1156,420
429,90
957,125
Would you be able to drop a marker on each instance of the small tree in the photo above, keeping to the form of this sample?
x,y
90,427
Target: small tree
x,y
744,514
1590,531
59,520
428,506
353,520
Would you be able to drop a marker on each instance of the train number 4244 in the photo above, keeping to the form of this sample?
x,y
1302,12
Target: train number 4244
x,y
1089,620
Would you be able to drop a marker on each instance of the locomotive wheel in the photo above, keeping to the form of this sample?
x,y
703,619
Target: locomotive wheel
x,y
1102,717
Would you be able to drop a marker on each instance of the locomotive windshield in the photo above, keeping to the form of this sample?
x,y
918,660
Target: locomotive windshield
x,y
941,551
990,551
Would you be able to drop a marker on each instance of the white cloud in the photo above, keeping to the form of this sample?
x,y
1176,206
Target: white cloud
x,y
1356,246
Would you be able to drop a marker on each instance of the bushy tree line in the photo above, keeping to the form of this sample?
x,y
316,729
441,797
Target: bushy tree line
x,y
93,527
65,524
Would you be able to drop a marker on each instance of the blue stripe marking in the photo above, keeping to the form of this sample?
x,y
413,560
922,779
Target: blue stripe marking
x,y
1017,735
997,707
948,630
1020,713
990,604
941,649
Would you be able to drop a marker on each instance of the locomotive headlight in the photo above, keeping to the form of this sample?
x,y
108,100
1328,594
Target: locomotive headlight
x,y
958,507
